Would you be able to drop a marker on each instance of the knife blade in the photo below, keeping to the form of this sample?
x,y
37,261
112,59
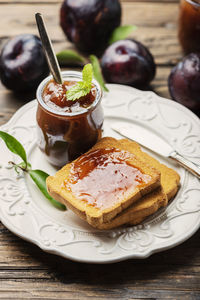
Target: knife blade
x,y
155,143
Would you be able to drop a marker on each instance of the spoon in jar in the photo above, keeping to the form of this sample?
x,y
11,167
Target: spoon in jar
x,y
48,49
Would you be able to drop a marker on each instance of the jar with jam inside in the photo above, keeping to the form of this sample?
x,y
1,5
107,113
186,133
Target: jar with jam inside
x,y
189,25
66,129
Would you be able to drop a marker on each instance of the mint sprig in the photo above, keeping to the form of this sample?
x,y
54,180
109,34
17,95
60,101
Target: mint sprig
x,y
38,176
78,90
87,74
81,88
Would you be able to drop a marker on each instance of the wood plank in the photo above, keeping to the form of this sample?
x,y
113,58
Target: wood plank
x,y
19,289
163,45
133,13
60,1
10,102
157,30
183,278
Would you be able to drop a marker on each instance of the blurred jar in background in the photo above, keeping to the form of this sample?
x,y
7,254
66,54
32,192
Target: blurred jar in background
x,y
189,25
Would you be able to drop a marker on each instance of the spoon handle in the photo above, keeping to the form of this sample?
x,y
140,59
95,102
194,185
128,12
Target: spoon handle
x,y
48,49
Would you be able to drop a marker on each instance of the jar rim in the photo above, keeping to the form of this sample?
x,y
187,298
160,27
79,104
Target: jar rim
x,y
68,75
192,2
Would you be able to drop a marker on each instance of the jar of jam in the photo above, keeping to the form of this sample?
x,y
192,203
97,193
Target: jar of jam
x,y
189,25
66,129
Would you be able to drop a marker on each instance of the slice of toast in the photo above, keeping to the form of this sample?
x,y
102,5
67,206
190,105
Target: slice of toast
x,y
92,214
139,210
170,179
151,202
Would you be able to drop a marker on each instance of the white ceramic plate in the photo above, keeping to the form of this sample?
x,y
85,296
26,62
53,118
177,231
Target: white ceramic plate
x,y
25,212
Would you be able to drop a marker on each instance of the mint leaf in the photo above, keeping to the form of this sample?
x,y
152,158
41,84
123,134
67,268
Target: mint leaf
x,y
121,32
87,74
97,72
39,177
78,90
81,88
69,57
14,145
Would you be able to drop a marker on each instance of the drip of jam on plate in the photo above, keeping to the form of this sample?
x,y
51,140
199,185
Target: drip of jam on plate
x,y
54,95
102,177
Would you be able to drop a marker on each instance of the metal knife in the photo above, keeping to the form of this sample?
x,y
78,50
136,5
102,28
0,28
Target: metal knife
x,y
155,143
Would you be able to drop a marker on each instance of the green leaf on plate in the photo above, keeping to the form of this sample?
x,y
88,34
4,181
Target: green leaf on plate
x,y
97,72
69,57
121,32
39,177
14,145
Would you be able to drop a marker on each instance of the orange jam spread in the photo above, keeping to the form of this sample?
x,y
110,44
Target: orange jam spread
x,y
103,176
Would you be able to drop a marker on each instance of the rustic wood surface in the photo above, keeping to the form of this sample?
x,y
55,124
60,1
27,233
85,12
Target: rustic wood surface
x,y
28,273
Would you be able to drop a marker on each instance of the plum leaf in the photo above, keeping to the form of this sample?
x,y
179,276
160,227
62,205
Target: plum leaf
x,y
121,32
70,57
14,145
97,72
39,177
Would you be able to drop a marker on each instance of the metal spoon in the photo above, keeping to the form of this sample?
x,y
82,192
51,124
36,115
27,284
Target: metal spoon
x,y
48,49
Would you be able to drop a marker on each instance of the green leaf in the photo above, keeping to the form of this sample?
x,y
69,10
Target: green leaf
x,y
39,177
87,74
121,32
78,90
82,88
97,72
14,145
69,57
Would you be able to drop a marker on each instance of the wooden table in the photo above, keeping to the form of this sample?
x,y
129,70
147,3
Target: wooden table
x,y
28,273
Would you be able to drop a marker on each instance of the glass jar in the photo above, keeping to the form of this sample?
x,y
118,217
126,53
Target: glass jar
x,y
63,136
189,25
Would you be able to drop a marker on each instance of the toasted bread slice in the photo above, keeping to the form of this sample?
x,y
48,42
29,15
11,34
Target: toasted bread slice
x,y
170,179
139,210
92,214
151,202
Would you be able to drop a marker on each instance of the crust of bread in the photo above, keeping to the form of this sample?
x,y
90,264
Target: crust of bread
x,y
151,202
170,179
93,215
138,211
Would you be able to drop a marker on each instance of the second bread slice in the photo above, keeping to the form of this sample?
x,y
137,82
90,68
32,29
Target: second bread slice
x,y
96,177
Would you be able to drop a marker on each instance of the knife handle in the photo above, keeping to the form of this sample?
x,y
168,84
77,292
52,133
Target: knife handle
x,y
187,164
